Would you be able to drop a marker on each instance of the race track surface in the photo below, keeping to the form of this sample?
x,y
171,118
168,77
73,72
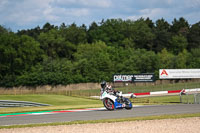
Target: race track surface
x,y
101,114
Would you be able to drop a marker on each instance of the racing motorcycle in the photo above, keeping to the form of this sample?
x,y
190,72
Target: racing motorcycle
x,y
114,101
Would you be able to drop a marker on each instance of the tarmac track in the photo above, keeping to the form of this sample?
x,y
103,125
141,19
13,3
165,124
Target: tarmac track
x,y
101,114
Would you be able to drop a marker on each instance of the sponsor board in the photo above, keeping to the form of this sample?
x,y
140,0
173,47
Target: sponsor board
x,y
179,73
143,78
122,77
133,78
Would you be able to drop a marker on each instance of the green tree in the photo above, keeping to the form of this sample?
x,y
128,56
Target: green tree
x,y
55,46
135,61
128,43
194,59
180,26
3,30
52,72
182,59
8,54
144,61
150,23
17,54
74,34
110,32
93,62
29,53
178,43
92,34
35,32
47,27
194,36
166,60
162,34
142,35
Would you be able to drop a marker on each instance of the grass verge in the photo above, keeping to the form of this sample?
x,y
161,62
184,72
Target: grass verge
x,y
174,116
161,100
34,109
61,102
54,100
57,102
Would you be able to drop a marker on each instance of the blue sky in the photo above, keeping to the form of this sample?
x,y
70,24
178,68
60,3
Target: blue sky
x,y
27,14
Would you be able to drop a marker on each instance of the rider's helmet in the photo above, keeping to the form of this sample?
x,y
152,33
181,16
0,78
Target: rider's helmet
x,y
103,84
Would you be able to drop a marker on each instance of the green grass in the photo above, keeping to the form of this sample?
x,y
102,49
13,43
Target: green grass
x,y
157,100
174,116
58,102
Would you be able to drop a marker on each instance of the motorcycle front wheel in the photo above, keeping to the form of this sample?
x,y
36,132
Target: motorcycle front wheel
x,y
128,104
108,104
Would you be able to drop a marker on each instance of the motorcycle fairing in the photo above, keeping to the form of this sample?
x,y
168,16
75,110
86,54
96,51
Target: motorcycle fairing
x,y
118,105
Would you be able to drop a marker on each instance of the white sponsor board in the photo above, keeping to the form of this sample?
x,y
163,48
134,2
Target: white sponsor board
x,y
179,73
143,78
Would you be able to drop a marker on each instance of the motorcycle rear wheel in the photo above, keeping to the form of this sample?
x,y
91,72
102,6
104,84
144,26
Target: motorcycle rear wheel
x,y
108,104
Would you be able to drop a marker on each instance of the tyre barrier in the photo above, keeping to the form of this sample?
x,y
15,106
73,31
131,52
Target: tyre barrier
x,y
11,103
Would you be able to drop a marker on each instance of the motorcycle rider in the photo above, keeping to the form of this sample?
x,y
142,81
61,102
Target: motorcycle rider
x,y
113,99
108,88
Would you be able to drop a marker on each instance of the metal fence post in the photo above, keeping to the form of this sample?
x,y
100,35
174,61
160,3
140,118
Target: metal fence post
x,y
195,98
180,98
198,96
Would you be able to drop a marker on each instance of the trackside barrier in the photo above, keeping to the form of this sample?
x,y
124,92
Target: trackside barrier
x,y
159,93
10,103
190,96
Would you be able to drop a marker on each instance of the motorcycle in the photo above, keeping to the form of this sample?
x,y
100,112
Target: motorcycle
x,y
114,101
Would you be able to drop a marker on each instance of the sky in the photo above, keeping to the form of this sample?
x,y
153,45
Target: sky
x,y
28,14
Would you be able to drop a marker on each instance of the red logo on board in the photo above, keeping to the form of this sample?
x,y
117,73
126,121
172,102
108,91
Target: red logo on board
x,y
164,72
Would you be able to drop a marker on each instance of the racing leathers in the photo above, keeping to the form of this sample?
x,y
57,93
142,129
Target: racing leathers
x,y
109,89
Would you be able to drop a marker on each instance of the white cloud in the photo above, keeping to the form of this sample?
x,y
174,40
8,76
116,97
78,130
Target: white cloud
x,y
97,3
33,11
174,9
24,11
87,3
68,12
151,13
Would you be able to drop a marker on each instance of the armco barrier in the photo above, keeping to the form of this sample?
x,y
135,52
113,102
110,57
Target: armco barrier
x,y
10,103
159,93
166,92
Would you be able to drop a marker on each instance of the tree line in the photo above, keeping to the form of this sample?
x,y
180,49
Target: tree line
x,y
69,54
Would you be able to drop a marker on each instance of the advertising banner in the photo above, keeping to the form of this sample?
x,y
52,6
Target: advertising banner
x,y
143,78
133,78
122,77
179,73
